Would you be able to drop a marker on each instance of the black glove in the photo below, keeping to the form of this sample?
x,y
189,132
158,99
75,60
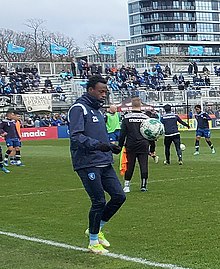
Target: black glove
x,y
115,149
103,147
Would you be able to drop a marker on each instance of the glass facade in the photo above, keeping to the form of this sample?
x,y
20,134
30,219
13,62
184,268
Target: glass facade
x,y
160,21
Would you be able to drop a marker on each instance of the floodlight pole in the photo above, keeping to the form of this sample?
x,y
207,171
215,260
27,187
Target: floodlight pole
x,y
187,105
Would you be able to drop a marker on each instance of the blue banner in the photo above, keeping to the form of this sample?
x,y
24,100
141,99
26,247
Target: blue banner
x,y
107,49
195,50
55,49
152,50
62,131
15,49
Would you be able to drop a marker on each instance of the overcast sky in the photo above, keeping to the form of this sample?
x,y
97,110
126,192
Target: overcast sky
x,y
74,18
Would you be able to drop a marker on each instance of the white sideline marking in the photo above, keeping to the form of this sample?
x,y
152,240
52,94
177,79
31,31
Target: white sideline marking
x,y
112,255
78,189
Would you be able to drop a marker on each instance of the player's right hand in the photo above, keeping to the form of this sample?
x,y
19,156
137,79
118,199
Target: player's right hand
x,y
103,147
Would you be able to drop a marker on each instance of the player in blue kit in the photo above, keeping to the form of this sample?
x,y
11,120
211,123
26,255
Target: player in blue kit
x,y
92,159
10,133
202,130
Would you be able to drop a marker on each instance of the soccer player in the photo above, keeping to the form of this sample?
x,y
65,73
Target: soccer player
x,y
202,129
9,131
92,159
113,124
172,134
17,118
136,145
5,170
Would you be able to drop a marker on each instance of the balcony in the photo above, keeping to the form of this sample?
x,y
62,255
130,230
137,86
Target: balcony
x,y
165,7
169,30
162,19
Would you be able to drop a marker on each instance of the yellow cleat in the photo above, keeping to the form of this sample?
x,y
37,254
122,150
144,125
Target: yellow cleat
x,y
101,237
97,249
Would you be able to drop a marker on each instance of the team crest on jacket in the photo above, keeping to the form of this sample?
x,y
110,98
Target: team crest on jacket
x,y
95,119
91,176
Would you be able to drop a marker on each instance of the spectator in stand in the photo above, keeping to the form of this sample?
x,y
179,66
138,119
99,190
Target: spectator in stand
x,y
29,123
190,68
73,67
181,78
69,75
205,70
26,69
107,70
18,69
93,69
207,81
3,70
34,70
167,71
181,86
56,120
63,76
175,79
45,121
48,83
158,68
37,122
58,89
80,68
168,87
195,66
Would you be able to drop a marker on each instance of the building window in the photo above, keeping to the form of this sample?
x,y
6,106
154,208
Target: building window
x,y
203,5
205,27
204,16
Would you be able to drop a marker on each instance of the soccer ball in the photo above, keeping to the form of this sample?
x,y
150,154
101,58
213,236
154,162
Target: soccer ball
x,y
151,129
182,147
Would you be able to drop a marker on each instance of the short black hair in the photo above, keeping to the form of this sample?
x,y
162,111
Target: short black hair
x,y
10,111
167,108
198,106
93,80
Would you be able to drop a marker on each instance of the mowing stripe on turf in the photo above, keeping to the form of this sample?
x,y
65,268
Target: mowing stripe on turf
x,y
112,255
39,193
78,189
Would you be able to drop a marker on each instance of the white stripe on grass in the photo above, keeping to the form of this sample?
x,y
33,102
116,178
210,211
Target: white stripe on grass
x,y
112,255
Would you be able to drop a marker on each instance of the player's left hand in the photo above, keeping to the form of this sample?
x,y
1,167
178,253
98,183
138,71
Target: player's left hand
x,y
4,134
115,149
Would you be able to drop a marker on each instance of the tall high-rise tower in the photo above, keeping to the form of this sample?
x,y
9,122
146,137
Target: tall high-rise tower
x,y
174,25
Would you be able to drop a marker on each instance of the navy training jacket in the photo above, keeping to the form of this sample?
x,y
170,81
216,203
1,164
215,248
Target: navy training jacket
x,y
202,120
169,121
87,129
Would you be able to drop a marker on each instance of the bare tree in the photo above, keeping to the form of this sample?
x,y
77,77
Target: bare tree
x,y
64,41
36,42
8,36
93,44
37,37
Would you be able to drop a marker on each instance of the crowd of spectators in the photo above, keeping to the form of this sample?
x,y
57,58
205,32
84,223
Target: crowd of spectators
x,y
44,120
127,80
19,80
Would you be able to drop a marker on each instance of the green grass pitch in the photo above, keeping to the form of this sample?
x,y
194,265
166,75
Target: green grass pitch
x,y
176,222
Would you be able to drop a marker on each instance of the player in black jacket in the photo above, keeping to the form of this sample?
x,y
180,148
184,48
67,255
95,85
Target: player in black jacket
x,y
172,134
136,145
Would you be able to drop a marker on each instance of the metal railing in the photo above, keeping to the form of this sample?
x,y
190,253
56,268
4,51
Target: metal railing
x,y
62,101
